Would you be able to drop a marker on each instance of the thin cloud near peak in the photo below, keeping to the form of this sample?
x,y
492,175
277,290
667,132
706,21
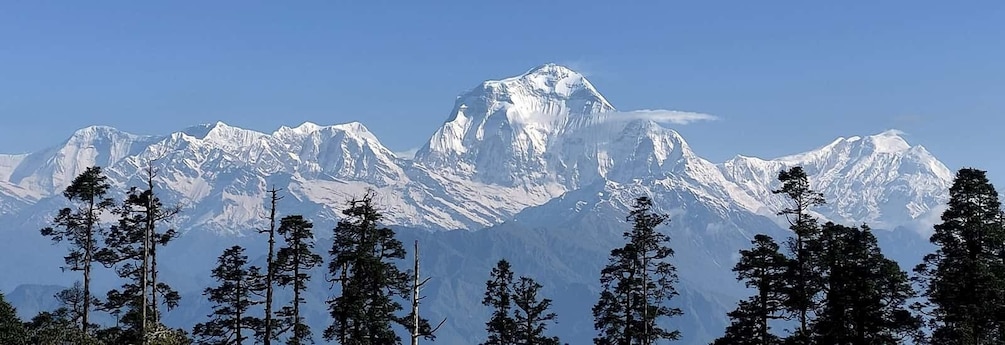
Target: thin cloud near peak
x,y
661,116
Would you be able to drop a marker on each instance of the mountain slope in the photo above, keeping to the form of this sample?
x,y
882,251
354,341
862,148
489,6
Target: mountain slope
x,y
541,164
508,144
878,179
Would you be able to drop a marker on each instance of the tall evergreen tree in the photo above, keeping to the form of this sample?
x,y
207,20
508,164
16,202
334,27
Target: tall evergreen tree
x,y
532,314
865,294
501,326
12,330
292,265
268,333
636,282
518,315
803,286
131,247
362,263
231,320
962,280
80,226
762,268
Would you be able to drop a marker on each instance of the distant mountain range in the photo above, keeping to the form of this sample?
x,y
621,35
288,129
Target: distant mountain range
x,y
539,168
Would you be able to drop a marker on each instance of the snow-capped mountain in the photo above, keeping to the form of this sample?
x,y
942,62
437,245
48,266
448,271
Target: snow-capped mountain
x,y
541,164
879,179
507,145
502,131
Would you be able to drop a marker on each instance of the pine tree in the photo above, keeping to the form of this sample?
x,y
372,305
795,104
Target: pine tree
x,y
803,286
131,247
865,294
518,316
746,327
12,330
292,265
80,226
231,317
362,263
531,314
761,268
501,326
636,283
75,304
962,280
268,333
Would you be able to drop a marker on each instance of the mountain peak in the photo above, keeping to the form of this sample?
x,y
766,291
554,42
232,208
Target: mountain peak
x,y
552,68
353,127
91,132
889,141
548,80
504,124
223,135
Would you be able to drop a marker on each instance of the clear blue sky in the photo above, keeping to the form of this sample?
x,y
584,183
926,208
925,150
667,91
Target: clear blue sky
x,y
784,76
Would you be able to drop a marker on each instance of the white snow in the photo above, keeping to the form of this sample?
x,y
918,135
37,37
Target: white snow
x,y
508,145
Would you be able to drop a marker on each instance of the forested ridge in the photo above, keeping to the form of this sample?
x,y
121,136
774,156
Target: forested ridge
x,y
826,283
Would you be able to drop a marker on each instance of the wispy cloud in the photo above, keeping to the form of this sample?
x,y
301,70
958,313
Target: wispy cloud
x,y
661,116
407,154
581,66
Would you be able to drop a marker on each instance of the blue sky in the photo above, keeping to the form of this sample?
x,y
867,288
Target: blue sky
x,y
783,76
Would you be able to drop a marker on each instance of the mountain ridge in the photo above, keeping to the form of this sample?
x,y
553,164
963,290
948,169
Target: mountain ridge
x,y
508,144
540,171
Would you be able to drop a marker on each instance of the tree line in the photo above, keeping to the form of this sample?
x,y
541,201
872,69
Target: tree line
x,y
824,284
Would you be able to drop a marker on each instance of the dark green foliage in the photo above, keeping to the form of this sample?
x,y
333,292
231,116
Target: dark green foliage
x,y
156,335
80,227
803,286
531,314
636,283
231,320
762,268
292,265
74,305
747,327
865,294
57,328
362,264
963,279
518,316
130,247
12,330
501,326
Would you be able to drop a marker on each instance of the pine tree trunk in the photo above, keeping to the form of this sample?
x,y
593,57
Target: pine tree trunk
x,y
297,286
153,283
88,255
629,310
145,279
802,267
152,216
415,299
645,290
270,269
147,250
237,309
763,313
